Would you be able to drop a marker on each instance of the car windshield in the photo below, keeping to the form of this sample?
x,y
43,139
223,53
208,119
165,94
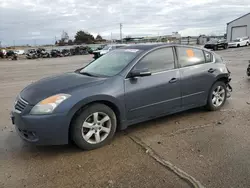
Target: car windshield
x,y
236,40
111,63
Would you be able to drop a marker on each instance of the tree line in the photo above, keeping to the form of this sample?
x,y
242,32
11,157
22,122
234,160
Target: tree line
x,y
81,37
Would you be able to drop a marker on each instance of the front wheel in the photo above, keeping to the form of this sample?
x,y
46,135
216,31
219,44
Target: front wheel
x,y
94,127
217,96
247,44
215,48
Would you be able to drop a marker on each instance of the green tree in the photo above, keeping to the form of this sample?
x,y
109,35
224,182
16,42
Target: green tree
x,y
98,37
128,38
84,37
70,42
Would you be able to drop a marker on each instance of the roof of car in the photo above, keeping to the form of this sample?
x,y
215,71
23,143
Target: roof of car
x,y
148,46
145,46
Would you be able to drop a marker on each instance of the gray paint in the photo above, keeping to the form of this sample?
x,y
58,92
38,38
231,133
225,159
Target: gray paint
x,y
135,99
242,21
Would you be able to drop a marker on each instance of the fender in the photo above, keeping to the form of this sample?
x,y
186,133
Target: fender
x,y
100,98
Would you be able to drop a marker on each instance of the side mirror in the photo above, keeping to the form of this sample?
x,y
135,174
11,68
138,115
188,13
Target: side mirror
x,y
139,73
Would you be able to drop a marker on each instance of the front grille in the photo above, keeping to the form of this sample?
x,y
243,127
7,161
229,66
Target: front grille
x,y
20,105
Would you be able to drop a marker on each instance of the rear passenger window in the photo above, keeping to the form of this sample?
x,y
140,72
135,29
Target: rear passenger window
x,y
190,56
208,57
157,61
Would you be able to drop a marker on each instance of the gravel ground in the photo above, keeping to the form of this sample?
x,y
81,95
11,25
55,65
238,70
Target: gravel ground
x,y
213,148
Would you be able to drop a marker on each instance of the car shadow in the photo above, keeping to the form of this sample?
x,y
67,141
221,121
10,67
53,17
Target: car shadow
x,y
161,120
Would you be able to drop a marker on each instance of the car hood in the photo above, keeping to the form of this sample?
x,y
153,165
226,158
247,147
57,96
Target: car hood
x,y
63,83
101,51
212,42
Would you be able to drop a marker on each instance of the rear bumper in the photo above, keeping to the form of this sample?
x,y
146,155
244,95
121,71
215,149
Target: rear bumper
x,y
248,70
42,129
96,55
229,87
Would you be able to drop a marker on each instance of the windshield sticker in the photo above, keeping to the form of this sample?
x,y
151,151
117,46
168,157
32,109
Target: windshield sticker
x,y
132,50
190,53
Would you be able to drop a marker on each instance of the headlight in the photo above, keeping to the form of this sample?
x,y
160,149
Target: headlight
x,y
47,106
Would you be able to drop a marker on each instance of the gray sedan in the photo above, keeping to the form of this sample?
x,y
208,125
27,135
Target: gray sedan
x,y
126,86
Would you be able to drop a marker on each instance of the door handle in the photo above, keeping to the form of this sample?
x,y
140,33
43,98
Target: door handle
x,y
211,70
173,80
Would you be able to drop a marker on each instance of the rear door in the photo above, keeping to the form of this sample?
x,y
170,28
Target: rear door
x,y
197,75
158,93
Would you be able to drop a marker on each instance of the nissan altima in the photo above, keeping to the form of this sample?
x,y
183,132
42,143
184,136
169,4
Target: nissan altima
x,y
126,86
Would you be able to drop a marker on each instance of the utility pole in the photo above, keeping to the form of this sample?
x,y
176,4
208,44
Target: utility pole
x,y
111,40
0,44
121,32
14,43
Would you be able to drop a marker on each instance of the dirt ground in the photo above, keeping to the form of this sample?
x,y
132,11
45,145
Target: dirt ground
x,y
197,147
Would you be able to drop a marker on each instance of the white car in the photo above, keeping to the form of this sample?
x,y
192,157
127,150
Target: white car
x,y
243,41
107,49
19,52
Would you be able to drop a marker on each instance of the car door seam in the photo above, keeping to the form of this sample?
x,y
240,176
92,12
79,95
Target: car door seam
x,y
154,104
184,96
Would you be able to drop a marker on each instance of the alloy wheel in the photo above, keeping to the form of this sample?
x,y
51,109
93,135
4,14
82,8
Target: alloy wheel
x,y
96,127
218,96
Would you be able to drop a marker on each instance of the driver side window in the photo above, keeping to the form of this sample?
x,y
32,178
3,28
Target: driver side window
x,y
157,61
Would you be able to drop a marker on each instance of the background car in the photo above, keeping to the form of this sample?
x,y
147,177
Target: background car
x,y
215,44
244,41
2,53
126,86
106,49
19,52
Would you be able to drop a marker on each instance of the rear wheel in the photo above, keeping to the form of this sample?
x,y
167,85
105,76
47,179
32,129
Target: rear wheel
x,y
217,96
94,127
215,48
238,45
247,44
225,46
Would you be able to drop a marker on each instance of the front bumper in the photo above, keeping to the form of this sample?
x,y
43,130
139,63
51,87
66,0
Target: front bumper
x,y
42,129
209,46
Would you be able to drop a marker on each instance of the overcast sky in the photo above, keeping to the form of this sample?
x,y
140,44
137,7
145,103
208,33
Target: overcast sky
x,y
27,21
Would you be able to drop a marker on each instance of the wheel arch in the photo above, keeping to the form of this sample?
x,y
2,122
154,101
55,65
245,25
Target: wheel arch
x,y
223,78
220,78
106,100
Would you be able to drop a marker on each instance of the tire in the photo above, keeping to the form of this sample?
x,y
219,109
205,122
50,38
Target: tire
x,y
88,125
247,44
225,46
238,45
210,101
215,48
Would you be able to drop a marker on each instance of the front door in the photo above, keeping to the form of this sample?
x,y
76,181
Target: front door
x,y
158,93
